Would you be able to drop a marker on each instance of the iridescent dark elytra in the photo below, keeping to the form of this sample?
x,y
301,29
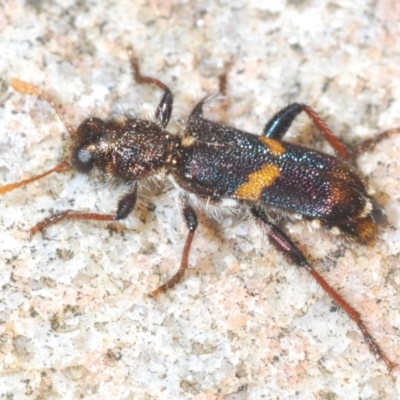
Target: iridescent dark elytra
x,y
218,163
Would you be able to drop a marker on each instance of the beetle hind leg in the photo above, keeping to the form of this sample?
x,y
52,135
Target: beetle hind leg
x,y
288,248
278,125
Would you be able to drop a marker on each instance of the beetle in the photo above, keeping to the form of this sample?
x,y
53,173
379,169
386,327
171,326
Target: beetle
x,y
218,164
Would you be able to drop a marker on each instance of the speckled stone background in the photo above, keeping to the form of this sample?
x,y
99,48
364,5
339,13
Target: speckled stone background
x,y
75,318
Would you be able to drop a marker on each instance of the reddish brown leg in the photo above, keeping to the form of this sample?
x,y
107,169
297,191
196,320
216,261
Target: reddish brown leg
x,y
369,143
286,246
339,147
164,109
279,124
223,78
69,214
191,222
11,186
223,84
125,205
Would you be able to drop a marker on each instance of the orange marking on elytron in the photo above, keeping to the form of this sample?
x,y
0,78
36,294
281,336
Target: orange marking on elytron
x,y
274,146
256,182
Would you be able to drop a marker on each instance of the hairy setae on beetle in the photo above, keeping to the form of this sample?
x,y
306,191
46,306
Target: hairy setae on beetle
x,y
216,162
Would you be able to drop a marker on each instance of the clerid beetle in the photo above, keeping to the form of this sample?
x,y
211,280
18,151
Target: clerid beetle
x,y
217,163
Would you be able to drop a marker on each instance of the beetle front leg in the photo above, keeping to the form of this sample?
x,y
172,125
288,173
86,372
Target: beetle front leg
x,y
288,248
125,206
164,109
191,222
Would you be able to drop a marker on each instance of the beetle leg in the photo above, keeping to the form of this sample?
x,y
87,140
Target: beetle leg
x,y
287,247
164,109
125,205
190,218
279,124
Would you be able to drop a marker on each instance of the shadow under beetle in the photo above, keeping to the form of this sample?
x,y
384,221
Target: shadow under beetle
x,y
217,162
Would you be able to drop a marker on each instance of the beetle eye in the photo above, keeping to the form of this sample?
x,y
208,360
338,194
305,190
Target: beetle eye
x,y
89,132
82,159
